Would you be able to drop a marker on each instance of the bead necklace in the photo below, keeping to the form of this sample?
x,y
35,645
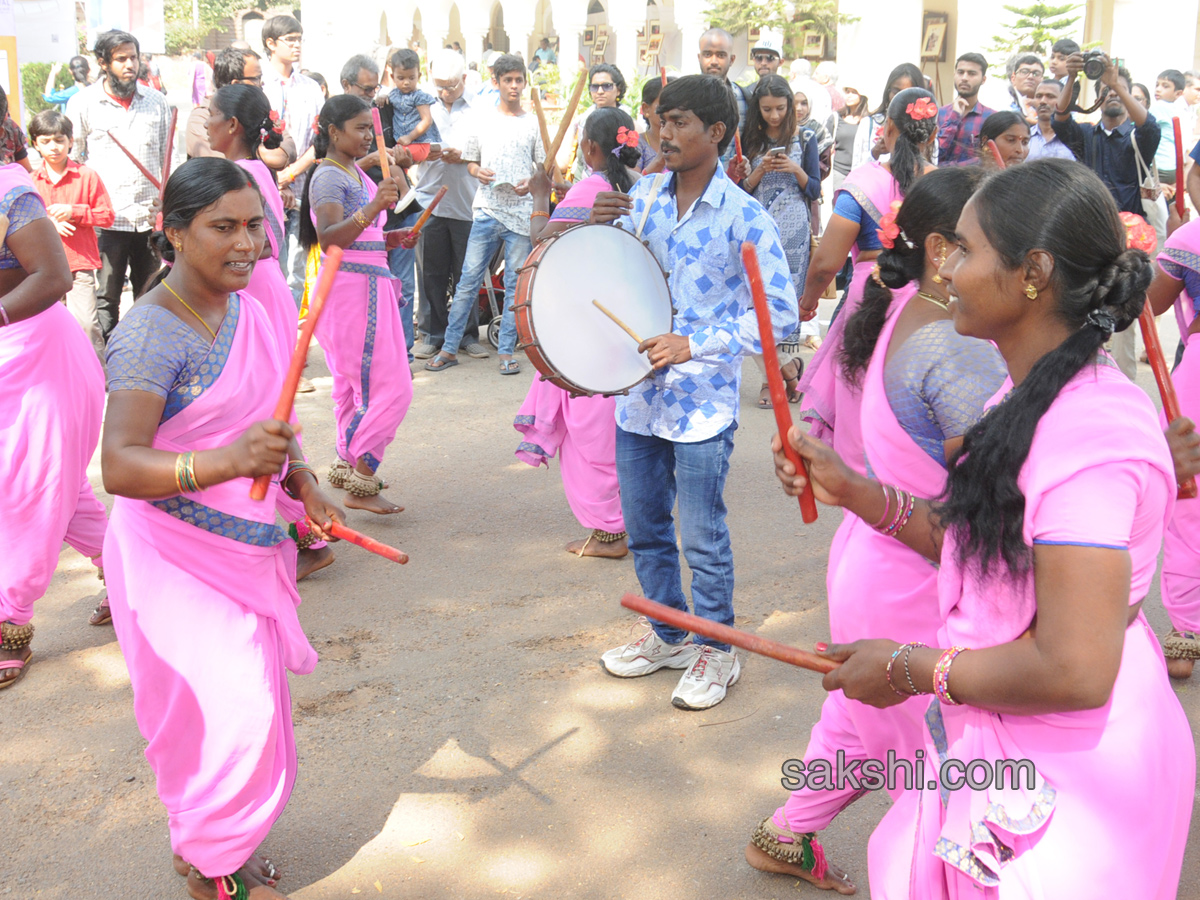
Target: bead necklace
x,y
189,309
936,301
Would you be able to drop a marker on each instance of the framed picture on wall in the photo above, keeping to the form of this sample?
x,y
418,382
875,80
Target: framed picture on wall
x,y
655,46
589,36
933,37
600,46
814,45
753,34
654,28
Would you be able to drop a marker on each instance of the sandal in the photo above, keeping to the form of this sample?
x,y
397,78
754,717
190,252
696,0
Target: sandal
x,y
764,397
509,367
15,637
1181,645
18,664
102,614
440,363
790,381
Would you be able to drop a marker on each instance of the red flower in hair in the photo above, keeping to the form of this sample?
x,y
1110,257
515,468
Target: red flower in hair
x,y
923,108
1139,234
888,229
627,136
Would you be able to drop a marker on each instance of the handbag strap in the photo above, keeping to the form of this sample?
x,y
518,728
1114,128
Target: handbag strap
x,y
1144,171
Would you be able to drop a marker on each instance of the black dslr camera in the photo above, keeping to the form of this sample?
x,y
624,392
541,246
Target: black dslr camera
x,y
1093,64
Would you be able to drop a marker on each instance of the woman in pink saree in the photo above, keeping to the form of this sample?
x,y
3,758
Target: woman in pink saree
x,y
582,431
1177,283
50,410
201,579
360,329
240,122
923,387
861,205
1047,538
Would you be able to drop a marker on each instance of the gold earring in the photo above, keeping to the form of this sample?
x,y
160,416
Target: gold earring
x,y
1031,292
938,279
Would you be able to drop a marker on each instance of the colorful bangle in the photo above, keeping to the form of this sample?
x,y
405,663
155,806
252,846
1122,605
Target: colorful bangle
x,y
360,220
538,212
904,516
294,466
941,676
887,505
892,662
4,315
185,473
907,673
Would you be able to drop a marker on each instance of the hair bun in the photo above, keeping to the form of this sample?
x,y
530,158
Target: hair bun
x,y
270,138
629,156
1121,287
158,240
892,270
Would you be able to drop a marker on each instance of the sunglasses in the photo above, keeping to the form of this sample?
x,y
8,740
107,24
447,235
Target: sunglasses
x,y
604,87
764,57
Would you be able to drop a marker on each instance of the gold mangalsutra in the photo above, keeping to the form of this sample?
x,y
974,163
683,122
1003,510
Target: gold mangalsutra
x,y
936,301
189,309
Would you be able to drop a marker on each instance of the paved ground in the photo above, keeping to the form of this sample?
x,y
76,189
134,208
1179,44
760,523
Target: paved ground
x,y
458,739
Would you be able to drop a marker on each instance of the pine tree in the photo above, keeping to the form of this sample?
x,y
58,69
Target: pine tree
x,y
1036,28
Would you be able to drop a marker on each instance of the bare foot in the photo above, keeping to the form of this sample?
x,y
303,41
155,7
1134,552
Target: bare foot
x,y
9,677
265,870
377,504
612,550
201,888
310,560
1180,668
835,879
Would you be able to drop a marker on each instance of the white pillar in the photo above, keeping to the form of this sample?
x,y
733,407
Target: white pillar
x,y
691,25
887,33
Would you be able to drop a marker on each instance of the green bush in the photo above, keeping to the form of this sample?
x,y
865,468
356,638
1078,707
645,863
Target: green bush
x,y
33,83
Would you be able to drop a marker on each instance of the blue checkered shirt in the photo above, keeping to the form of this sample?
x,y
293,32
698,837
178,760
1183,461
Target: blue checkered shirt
x,y
698,399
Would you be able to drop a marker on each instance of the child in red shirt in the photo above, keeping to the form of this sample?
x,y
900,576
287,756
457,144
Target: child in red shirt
x,y
78,203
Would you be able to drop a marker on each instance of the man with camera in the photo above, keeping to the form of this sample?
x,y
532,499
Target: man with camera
x,y
1111,148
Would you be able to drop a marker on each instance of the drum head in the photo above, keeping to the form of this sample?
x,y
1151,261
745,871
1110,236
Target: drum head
x,y
608,264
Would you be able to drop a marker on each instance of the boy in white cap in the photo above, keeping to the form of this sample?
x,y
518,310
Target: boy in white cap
x,y
767,52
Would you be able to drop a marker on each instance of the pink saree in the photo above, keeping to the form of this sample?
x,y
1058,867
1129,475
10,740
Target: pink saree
x,y
877,588
1180,259
582,431
204,601
267,284
1114,785
363,339
831,405
50,411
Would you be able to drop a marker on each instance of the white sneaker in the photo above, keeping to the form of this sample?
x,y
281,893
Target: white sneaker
x,y
647,654
704,685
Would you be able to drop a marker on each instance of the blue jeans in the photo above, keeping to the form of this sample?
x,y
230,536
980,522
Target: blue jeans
x,y
486,236
652,471
402,263
292,256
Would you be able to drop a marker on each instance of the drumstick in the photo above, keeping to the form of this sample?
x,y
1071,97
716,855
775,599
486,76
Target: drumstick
x,y
658,180
337,530
779,401
629,331
996,155
1179,190
1166,389
137,162
726,635
424,217
287,397
552,152
380,145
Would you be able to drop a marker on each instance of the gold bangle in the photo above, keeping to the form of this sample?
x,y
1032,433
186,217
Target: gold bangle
x,y
538,212
360,220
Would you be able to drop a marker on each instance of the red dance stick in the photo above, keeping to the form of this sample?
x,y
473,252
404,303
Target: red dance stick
x,y
287,397
664,76
1166,388
349,534
424,217
726,635
1180,194
379,142
737,149
137,162
779,401
996,155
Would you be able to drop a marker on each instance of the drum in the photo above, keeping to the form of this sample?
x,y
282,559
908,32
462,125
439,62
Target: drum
x,y
569,341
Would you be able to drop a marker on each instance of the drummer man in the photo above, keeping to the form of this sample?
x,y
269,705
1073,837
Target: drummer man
x,y
675,429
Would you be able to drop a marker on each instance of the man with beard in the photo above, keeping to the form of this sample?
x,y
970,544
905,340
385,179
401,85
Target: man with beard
x,y
766,53
716,58
1105,146
959,122
1043,142
117,108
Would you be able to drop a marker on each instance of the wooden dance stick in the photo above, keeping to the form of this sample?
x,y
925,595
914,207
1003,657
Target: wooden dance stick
x,y
349,534
779,401
726,635
1166,388
158,185
380,145
287,397
629,331
536,96
424,217
1180,193
996,155
552,150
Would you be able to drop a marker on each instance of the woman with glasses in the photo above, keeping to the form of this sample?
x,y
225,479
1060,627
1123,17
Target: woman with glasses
x,y
606,88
